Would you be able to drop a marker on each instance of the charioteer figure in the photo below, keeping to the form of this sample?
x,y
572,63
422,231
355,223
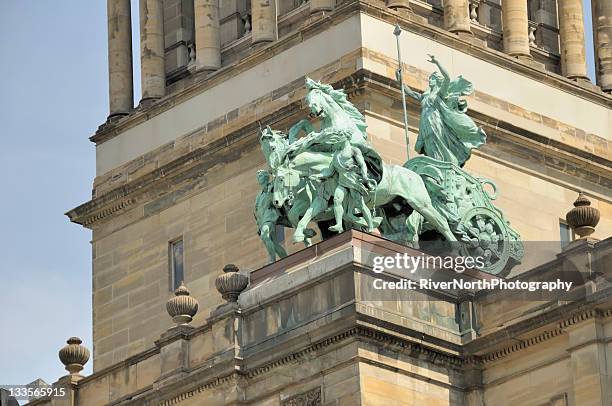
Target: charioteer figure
x,y
352,179
446,132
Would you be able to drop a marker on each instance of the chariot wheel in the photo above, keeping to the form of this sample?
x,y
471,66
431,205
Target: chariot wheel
x,y
483,233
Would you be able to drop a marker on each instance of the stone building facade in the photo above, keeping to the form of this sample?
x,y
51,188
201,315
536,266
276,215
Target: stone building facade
x,y
180,167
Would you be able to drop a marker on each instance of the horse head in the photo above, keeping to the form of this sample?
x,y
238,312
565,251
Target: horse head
x,y
318,99
286,182
326,102
274,146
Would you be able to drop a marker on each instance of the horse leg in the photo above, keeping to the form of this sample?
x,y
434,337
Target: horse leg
x,y
264,233
278,248
437,220
317,206
365,211
413,226
415,193
294,213
339,194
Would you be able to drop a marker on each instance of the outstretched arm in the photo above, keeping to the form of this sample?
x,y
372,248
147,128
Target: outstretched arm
x,y
407,91
360,162
411,93
444,72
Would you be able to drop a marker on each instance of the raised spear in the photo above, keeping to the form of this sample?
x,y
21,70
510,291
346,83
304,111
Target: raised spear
x,y
397,33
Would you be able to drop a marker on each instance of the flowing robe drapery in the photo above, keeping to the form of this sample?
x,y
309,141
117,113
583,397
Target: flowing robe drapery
x,y
446,132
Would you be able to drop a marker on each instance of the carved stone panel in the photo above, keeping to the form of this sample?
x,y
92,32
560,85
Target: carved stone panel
x,y
310,398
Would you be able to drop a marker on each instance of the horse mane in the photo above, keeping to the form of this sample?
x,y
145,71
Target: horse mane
x,y
339,96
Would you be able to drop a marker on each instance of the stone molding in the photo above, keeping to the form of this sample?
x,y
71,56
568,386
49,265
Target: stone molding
x,y
414,349
357,333
213,383
100,205
314,26
120,206
256,371
310,398
546,335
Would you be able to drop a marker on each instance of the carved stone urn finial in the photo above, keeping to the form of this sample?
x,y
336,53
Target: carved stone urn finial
x,y
582,218
182,307
74,355
231,283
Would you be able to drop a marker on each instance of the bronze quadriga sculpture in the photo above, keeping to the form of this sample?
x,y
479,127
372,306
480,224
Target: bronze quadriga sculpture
x,y
335,178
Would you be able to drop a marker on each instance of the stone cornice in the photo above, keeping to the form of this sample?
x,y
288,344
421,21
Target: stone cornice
x,y
311,27
359,333
213,383
124,196
563,317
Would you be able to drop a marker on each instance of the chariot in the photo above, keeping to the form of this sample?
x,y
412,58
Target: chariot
x,y
466,202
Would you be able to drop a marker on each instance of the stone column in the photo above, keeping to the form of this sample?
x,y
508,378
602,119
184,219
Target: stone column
x,y
153,75
571,31
515,28
321,5
263,16
602,39
207,34
120,85
457,15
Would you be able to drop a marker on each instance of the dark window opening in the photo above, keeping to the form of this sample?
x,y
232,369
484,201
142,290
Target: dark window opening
x,y
177,273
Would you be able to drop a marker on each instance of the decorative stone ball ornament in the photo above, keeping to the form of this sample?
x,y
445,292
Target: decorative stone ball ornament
x,y
74,355
582,218
231,283
182,307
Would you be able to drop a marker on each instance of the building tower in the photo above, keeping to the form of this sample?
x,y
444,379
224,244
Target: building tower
x,y
175,184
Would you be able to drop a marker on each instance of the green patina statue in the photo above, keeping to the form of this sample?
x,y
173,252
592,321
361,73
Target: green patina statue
x,y
266,216
352,179
446,132
333,177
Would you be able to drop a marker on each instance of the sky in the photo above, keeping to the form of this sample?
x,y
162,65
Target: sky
x,y
53,76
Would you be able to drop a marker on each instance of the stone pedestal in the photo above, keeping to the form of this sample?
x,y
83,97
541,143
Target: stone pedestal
x,y
120,84
571,30
263,15
66,385
153,76
457,15
515,28
207,34
602,40
174,352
